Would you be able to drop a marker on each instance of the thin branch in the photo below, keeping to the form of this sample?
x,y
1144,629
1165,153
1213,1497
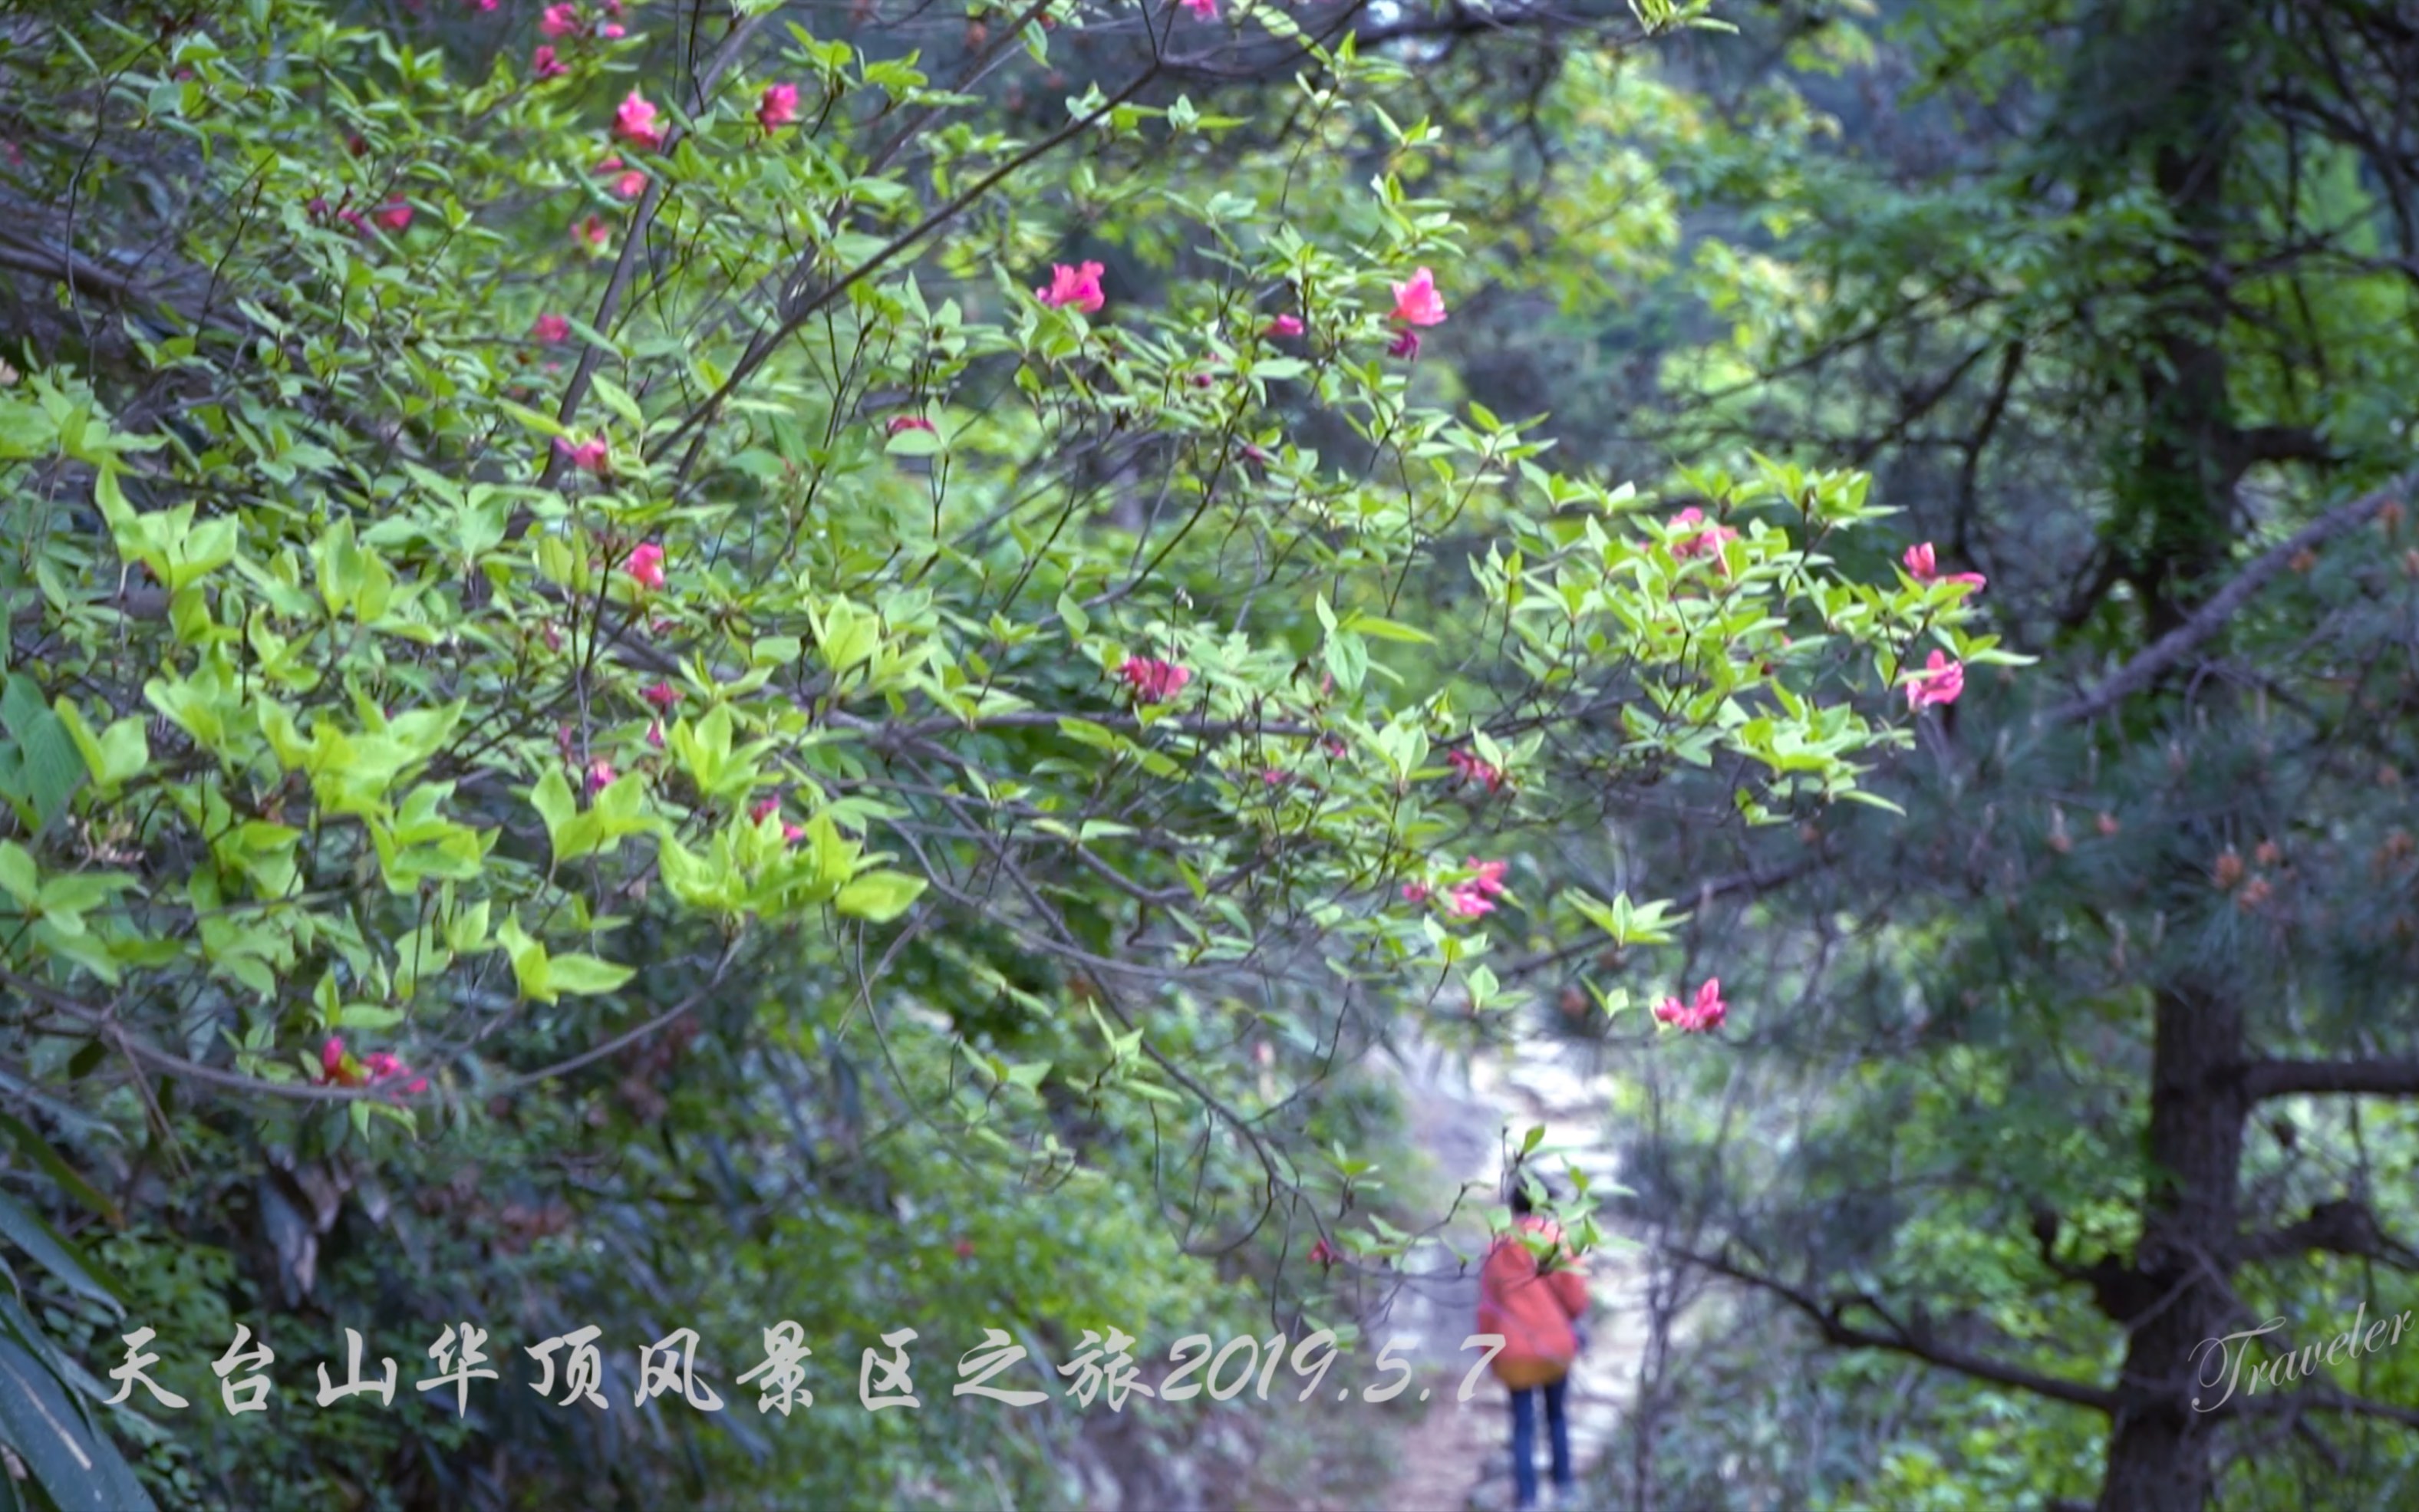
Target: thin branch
x,y
2211,617
1826,1317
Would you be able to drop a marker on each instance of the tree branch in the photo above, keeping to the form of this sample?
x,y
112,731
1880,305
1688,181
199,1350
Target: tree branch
x,y
2376,1078
2345,1226
1900,1339
2211,617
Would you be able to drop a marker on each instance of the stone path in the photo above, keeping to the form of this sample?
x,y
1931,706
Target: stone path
x,y
1457,1460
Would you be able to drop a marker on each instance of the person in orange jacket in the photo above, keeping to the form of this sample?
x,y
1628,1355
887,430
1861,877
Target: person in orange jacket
x,y
1535,1303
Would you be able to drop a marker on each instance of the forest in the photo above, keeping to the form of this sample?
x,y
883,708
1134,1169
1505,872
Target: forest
x,y
842,754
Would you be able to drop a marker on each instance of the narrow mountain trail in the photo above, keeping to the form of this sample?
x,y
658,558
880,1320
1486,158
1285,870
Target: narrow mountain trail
x,y
1457,1459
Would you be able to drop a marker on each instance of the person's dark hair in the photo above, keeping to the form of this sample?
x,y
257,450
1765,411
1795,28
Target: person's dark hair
x,y
1521,1204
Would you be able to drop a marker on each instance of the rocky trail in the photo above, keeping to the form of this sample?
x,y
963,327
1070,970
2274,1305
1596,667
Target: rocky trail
x,y
1457,1459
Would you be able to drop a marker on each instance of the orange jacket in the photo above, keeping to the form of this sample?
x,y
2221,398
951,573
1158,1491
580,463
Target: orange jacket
x,y
1533,1309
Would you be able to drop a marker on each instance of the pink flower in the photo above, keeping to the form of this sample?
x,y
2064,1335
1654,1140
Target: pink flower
x,y
610,31
483,4
588,457
634,122
612,163
791,834
1417,893
1324,1253
1705,542
1470,902
1700,1015
600,775
1940,681
1079,286
331,1059
1921,567
1283,325
1469,768
656,733
1406,345
1202,10
630,185
593,231
663,696
764,809
778,107
550,329
1417,303
646,566
394,215
1154,681
545,64
558,21
1491,876
899,423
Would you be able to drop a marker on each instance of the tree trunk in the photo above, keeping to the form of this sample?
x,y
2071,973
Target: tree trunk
x,y
2157,1447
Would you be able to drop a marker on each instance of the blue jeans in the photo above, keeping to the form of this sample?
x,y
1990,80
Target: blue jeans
x,y
1524,1440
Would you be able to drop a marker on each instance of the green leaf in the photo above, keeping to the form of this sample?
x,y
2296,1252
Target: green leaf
x,y
551,797
879,896
585,974
38,1149
79,1468
53,1254
18,877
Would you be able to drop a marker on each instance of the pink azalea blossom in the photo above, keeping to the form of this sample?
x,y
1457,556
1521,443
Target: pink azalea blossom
x,y
1154,681
394,215
1701,1014
778,106
1922,566
550,329
1417,303
588,457
764,809
545,64
899,423
663,696
1469,768
1202,10
1417,893
656,733
1940,681
646,566
630,185
634,122
1705,542
1470,902
1406,345
600,775
791,834
331,1059
610,31
1079,286
594,232
558,21
483,4
1283,325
